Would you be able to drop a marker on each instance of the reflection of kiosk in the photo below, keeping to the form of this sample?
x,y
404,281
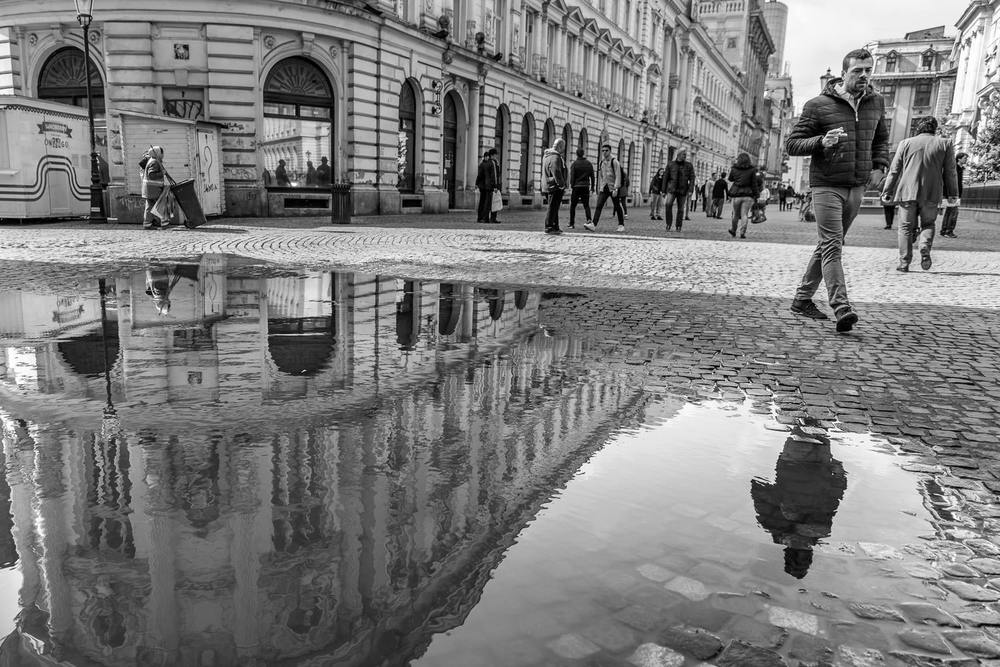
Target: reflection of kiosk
x,y
44,159
191,151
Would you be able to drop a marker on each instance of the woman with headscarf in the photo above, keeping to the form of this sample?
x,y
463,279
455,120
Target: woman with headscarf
x,y
154,179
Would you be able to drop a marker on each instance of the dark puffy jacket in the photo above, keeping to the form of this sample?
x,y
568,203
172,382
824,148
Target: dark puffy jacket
x,y
581,174
744,182
678,178
866,146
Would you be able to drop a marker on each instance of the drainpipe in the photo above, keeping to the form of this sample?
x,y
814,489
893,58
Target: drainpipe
x,y
378,122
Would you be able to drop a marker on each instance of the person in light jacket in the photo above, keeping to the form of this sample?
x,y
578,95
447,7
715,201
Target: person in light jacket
x,y
554,173
153,178
922,173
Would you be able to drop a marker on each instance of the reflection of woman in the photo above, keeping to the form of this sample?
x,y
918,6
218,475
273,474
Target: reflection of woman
x,y
153,177
160,280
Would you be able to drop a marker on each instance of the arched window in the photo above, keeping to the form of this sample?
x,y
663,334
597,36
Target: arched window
x,y
584,141
407,156
525,182
621,150
548,134
568,140
890,61
63,79
298,125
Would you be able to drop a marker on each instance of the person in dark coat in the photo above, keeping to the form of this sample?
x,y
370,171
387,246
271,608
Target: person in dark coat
x,y
798,508
582,182
554,175
951,213
843,130
720,192
323,172
922,172
743,192
678,185
487,180
655,196
280,175
310,174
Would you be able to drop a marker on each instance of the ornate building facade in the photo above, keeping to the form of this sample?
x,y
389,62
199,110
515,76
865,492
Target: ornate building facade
x,y
741,34
916,76
977,83
396,98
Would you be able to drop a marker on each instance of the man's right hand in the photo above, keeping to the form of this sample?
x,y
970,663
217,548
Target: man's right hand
x,y
832,138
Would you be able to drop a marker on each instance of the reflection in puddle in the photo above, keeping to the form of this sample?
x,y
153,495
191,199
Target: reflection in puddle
x,y
214,463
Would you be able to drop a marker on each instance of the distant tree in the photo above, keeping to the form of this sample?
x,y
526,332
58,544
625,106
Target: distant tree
x,y
985,161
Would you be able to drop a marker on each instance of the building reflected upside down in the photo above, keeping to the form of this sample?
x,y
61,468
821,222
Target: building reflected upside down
x,y
320,467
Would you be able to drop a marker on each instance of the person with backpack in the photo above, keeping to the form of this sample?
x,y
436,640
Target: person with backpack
x,y
153,180
678,184
609,182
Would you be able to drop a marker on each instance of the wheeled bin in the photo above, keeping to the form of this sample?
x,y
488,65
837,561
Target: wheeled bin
x,y
187,199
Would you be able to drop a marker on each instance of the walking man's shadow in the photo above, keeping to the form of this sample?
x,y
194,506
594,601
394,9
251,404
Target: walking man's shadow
x,y
799,506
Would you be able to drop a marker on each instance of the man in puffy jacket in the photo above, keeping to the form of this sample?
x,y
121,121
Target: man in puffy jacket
x,y
843,129
678,184
554,173
581,179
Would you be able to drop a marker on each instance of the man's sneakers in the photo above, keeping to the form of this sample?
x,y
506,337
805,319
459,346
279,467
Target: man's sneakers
x,y
732,232
903,266
621,228
846,319
589,226
925,258
808,309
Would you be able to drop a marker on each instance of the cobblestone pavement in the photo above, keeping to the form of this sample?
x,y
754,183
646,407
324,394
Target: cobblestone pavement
x,y
707,317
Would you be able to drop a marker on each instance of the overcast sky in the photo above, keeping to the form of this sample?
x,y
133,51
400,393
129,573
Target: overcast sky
x,y
820,32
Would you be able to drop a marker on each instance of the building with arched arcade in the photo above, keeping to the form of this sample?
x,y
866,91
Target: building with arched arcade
x,y
397,98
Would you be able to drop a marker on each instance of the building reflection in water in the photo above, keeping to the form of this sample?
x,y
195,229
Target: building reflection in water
x,y
304,465
799,506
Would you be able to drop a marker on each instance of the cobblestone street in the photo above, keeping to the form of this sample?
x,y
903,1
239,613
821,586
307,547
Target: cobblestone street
x,y
701,316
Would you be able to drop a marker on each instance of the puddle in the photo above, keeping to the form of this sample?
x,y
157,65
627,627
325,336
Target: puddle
x,y
218,463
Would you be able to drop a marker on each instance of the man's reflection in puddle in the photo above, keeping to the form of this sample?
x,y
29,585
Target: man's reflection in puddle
x,y
798,508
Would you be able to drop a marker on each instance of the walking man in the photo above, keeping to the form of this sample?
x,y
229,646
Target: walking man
x,y
720,192
922,172
581,179
554,173
951,213
486,181
782,197
678,184
609,181
843,129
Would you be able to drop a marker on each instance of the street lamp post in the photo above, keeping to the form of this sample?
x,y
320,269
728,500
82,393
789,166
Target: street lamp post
x,y
84,14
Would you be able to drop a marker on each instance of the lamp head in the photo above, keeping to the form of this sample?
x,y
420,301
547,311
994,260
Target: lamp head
x,y
84,11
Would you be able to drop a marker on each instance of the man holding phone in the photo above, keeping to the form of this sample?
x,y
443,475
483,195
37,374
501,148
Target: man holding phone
x,y
843,129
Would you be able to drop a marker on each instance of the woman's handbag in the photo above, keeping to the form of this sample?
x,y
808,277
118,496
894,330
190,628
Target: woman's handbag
x,y
757,214
497,204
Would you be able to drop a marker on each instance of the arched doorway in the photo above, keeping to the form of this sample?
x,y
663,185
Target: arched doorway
x,y
568,140
408,317
548,134
450,147
449,308
298,136
63,78
407,158
583,143
500,134
621,151
525,182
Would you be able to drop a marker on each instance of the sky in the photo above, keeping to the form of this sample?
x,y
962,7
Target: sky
x,y
820,32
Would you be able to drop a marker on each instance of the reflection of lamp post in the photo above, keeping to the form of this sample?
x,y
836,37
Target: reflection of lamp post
x,y
84,14
111,425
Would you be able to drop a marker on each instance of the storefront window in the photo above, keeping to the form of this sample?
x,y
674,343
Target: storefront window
x,y
297,144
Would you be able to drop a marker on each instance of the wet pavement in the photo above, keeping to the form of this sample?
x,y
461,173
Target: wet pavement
x,y
644,458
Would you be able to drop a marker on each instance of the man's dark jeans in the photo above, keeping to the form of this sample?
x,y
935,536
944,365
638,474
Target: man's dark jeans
x,y
555,199
949,220
681,201
579,194
602,199
484,213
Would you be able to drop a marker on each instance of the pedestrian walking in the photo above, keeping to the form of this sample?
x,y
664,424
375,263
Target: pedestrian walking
x,y
678,185
706,199
655,198
487,180
843,129
609,175
623,190
951,212
582,181
743,192
782,197
720,192
153,178
554,173
922,173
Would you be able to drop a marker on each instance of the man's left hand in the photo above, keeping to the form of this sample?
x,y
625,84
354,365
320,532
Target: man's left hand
x,y
875,178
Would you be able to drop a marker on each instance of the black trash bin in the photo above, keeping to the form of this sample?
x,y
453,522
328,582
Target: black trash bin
x,y
340,203
187,199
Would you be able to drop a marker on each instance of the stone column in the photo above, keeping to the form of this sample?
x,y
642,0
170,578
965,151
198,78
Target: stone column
x,y
473,152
